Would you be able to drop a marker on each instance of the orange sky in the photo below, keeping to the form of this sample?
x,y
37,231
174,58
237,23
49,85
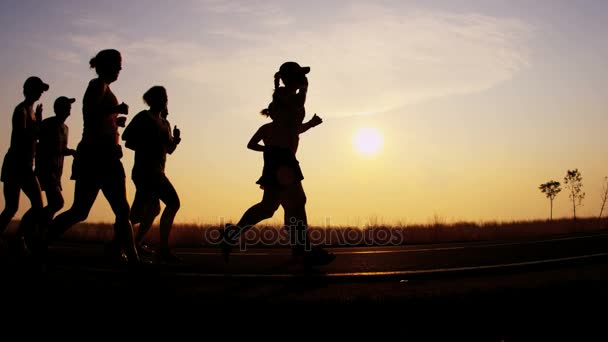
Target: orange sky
x,y
476,105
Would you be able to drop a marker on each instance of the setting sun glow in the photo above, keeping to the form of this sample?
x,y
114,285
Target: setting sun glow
x,y
368,141
457,110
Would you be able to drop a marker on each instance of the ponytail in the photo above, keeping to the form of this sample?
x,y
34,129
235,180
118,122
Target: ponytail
x,y
277,83
93,63
277,80
268,111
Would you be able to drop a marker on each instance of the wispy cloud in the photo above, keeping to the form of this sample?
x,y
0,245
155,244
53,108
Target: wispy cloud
x,y
370,59
65,56
149,51
257,11
91,23
375,59
252,8
93,42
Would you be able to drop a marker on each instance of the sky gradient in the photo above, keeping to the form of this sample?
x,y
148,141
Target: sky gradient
x,y
477,102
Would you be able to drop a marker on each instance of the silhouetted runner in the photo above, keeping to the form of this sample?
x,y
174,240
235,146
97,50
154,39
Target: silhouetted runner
x,y
97,164
51,150
282,177
149,135
17,169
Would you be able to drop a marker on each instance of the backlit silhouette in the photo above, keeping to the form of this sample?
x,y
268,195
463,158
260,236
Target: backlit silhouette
x,y
282,177
97,165
149,135
51,150
17,169
573,182
550,189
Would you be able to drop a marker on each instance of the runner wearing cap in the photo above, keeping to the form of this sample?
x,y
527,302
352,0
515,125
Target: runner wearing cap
x,y
282,176
51,150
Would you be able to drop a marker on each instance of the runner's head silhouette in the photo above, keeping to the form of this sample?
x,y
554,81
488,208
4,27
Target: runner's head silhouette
x,y
107,64
270,111
292,75
156,98
34,87
63,107
295,82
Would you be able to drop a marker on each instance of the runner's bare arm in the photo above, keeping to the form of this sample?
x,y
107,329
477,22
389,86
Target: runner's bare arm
x,y
174,140
315,121
254,143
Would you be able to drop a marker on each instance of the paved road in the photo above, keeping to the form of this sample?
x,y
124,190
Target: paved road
x,y
360,262
504,287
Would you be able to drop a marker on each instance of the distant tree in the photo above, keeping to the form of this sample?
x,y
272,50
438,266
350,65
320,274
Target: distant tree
x,y
574,185
604,196
550,189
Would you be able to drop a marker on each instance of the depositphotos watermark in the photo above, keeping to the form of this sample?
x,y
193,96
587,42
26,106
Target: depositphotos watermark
x,y
288,235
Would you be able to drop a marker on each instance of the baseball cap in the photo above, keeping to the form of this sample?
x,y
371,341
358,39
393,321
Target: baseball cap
x,y
62,101
291,68
34,82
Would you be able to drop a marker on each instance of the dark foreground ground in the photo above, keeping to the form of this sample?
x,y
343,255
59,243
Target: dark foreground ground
x,y
543,289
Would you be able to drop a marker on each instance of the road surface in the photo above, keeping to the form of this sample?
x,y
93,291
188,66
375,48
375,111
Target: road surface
x,y
562,276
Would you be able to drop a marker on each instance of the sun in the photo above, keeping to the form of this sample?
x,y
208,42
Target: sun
x,y
368,141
